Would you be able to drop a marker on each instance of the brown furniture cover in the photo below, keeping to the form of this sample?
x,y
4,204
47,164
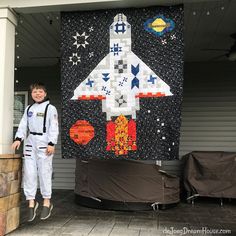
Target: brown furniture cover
x,y
125,181
211,174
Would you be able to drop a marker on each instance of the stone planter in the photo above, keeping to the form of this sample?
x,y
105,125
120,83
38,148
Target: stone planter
x,y
10,183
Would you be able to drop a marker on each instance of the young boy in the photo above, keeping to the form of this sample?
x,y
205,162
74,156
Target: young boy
x,y
41,121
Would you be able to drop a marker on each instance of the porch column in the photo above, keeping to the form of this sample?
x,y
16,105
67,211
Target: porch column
x,y
8,22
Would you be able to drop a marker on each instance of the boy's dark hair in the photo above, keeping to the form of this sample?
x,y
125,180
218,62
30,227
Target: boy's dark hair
x,y
38,85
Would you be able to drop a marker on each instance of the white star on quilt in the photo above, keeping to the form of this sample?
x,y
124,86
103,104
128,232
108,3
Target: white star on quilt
x,y
91,54
91,29
173,37
74,59
80,40
163,41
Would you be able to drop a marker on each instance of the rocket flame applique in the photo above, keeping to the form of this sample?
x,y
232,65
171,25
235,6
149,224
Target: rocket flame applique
x,y
120,80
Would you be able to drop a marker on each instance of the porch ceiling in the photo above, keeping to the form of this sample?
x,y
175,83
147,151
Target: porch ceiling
x,y
208,25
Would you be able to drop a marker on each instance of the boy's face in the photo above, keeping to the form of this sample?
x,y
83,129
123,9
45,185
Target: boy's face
x,y
38,94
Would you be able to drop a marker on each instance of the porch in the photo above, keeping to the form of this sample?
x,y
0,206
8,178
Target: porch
x,y
205,217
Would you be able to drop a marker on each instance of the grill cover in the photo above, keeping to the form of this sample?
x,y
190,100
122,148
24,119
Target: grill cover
x,y
125,181
211,174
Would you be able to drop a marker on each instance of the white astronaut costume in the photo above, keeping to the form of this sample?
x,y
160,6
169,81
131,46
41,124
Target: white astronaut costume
x,y
42,121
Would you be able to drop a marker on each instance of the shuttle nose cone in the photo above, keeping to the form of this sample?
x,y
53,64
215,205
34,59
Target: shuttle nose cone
x,y
120,24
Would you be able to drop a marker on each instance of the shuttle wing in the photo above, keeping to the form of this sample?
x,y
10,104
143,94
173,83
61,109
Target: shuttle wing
x,y
92,87
145,82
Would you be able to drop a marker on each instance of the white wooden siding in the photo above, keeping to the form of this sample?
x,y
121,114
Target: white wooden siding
x,y
208,110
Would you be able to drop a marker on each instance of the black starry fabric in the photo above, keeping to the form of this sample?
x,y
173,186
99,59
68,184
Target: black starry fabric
x,y
159,119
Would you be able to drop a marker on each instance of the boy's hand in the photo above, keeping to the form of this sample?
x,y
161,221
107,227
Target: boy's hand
x,y
16,145
50,150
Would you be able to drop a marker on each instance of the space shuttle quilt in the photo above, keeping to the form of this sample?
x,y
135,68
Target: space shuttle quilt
x,y
122,83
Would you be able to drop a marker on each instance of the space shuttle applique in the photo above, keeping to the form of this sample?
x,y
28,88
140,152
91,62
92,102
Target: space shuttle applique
x,y
119,81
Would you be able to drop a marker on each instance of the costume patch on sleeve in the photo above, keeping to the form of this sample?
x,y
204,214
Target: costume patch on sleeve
x,y
30,114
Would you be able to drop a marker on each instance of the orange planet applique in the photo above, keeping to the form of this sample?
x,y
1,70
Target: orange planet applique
x,y
81,132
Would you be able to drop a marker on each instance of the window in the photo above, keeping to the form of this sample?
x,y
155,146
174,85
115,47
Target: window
x,y
20,103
